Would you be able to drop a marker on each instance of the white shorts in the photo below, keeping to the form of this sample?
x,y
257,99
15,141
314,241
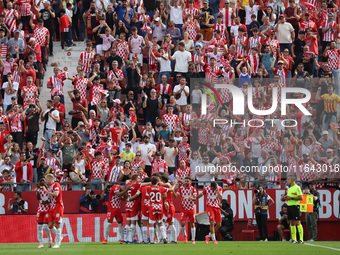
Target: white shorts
x,y
99,48
144,217
133,218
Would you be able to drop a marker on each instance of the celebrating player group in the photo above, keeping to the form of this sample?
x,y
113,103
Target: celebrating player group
x,y
148,204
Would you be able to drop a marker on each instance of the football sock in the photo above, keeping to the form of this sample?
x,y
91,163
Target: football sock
x,y
40,233
163,232
173,233
152,234
145,234
184,231
128,233
48,232
125,233
193,234
293,232
300,229
58,236
107,230
54,231
133,231
120,230
158,233
140,233
213,237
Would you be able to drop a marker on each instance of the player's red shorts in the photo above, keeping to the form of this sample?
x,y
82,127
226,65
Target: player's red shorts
x,y
214,214
56,214
155,215
114,213
132,214
169,214
188,214
42,217
144,212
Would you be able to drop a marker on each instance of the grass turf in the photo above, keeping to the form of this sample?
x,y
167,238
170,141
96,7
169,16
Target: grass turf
x,y
263,248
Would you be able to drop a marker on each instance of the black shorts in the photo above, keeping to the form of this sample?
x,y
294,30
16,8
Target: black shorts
x,y
32,137
293,212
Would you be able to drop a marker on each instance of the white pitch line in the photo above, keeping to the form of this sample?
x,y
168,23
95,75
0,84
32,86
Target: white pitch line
x,y
331,248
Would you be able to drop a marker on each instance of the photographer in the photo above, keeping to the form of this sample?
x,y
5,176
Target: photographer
x,y
227,221
262,202
105,197
88,202
20,206
312,217
283,221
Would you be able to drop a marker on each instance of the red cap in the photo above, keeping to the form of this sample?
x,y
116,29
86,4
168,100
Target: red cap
x,y
271,31
282,15
131,109
307,13
65,170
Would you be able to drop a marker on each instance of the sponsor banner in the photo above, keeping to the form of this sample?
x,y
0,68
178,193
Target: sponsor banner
x,y
240,201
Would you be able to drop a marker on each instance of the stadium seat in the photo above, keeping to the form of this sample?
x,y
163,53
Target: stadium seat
x,y
248,235
142,128
286,233
171,80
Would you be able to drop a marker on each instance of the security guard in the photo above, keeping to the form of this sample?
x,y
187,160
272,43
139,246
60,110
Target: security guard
x,y
312,217
293,198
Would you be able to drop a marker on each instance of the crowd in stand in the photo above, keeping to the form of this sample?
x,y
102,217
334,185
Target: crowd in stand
x,y
138,90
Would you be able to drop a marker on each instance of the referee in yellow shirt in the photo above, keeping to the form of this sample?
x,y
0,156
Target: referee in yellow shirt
x,y
331,100
293,197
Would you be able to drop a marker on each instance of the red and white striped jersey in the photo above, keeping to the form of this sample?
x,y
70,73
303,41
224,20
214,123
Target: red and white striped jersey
x,y
152,60
30,94
159,166
212,73
186,194
98,169
43,202
212,199
304,24
64,187
239,140
226,13
113,172
258,92
52,162
187,116
171,120
55,187
183,151
272,177
10,19
279,86
40,34
182,173
87,60
16,76
195,59
222,28
81,85
254,62
3,49
254,42
95,94
164,89
57,82
192,30
237,42
329,35
333,59
305,171
112,75
283,156
25,7
122,49
194,11
283,73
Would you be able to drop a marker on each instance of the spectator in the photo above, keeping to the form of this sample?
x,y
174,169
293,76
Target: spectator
x,y
68,148
207,23
292,15
51,118
19,206
176,13
285,33
88,202
79,104
144,150
283,221
24,173
204,172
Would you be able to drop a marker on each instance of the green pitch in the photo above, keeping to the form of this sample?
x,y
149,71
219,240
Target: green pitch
x,y
261,248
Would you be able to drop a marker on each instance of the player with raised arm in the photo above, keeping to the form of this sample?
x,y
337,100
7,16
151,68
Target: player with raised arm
x,y
213,200
188,195
42,214
169,213
145,206
56,211
114,210
157,196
